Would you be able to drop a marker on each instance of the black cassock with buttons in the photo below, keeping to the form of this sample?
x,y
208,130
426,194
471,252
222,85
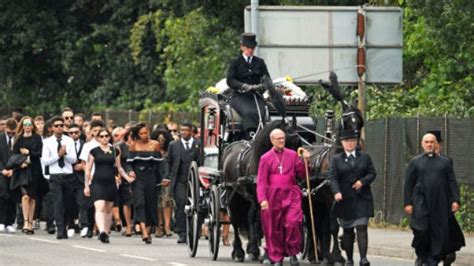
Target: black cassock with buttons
x,y
239,73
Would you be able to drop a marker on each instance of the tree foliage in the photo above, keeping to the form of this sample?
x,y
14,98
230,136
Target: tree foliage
x,y
157,54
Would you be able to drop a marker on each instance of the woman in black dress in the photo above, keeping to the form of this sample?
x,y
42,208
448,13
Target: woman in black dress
x,y
26,179
144,163
102,185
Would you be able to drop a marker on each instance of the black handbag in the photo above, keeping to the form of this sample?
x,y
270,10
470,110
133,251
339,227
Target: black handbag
x,y
15,161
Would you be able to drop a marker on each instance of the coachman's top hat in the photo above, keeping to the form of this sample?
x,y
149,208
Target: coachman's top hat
x,y
248,39
436,133
349,134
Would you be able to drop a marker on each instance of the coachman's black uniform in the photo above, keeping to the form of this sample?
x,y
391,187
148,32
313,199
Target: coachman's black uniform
x,y
431,188
239,73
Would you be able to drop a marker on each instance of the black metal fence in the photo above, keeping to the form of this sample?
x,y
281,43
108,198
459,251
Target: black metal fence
x,y
391,144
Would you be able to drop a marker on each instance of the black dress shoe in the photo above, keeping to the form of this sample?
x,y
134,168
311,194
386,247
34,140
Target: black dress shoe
x,y
61,235
181,239
90,233
364,262
51,229
294,261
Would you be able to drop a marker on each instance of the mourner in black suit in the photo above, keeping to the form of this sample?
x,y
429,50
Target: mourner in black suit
x,y
431,197
180,155
84,205
7,203
244,77
351,174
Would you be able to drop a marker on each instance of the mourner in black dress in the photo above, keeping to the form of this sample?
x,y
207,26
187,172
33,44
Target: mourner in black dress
x,y
103,184
26,179
244,77
144,163
351,174
124,198
431,197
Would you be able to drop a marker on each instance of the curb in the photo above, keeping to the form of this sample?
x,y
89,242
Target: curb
x,y
461,259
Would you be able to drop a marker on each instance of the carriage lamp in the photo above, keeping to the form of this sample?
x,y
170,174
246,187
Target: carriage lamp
x,y
211,121
329,116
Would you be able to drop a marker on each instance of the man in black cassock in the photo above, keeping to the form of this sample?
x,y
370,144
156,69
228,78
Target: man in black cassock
x,y
244,77
431,197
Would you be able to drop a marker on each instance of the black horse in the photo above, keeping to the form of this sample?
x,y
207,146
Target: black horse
x,y
240,166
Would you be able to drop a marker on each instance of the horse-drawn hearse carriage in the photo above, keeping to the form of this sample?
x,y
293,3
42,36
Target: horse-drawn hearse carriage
x,y
225,177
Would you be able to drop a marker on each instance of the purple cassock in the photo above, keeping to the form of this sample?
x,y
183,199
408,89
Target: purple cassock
x,y
282,221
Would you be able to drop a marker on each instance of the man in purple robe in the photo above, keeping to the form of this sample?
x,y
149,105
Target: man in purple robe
x,y
280,197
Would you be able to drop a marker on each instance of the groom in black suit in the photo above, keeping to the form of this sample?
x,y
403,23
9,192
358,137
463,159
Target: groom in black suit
x,y
180,155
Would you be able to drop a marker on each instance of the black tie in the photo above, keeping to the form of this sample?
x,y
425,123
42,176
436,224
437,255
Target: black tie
x,y
352,160
187,145
61,160
10,143
249,59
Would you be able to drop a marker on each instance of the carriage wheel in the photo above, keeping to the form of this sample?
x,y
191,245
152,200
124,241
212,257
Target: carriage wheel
x,y
191,209
214,222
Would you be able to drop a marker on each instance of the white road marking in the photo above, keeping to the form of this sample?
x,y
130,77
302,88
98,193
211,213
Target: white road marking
x,y
43,240
177,264
88,248
5,235
137,257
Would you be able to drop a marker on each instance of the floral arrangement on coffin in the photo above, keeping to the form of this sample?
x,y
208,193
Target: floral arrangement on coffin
x,y
292,94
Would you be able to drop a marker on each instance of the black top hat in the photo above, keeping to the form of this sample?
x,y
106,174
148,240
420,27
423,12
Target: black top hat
x,y
349,134
248,40
436,133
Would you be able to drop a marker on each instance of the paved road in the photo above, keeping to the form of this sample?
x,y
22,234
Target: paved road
x,y
44,249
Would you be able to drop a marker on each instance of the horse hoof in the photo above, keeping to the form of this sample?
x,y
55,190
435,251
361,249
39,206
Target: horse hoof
x,y
239,259
253,257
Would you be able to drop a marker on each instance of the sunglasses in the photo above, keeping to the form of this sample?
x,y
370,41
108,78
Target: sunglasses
x,y
69,117
74,132
10,133
26,124
58,125
173,130
104,136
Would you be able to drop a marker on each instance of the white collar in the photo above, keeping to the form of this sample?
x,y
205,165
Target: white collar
x,y
353,153
190,142
247,58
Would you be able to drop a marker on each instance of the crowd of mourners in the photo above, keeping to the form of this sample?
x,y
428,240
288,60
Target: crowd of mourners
x,y
89,177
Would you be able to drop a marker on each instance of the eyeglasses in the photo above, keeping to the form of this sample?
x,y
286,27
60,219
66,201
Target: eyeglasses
x,y
58,125
69,117
74,132
104,136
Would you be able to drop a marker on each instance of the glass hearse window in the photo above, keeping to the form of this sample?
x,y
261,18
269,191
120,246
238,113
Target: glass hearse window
x,y
211,157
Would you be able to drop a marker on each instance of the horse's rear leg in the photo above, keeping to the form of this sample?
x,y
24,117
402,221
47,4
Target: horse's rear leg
x,y
238,253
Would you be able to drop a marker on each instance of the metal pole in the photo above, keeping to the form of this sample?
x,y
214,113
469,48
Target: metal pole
x,y
361,59
254,19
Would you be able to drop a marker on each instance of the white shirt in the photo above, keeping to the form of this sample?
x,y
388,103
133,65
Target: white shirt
x,y
247,58
189,141
50,157
86,150
353,153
